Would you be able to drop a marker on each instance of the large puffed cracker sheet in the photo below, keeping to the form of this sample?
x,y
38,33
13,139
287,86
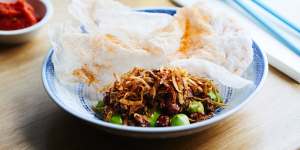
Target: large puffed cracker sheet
x,y
110,38
211,35
107,42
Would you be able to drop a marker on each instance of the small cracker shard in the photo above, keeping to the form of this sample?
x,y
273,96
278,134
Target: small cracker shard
x,y
85,74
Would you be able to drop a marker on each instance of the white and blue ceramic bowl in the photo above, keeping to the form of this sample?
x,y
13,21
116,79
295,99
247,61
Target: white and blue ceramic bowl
x,y
78,104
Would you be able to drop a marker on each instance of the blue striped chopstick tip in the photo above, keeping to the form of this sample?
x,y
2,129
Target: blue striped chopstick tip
x,y
277,15
272,30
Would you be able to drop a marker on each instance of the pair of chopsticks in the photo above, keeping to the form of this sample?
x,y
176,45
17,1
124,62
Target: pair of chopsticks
x,y
272,30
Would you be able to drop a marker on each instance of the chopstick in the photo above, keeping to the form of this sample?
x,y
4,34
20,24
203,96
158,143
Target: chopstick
x,y
275,14
272,30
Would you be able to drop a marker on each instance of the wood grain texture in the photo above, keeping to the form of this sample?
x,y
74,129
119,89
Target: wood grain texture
x,y
30,120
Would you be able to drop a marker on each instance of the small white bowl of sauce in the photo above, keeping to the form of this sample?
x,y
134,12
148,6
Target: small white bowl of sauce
x,y
17,28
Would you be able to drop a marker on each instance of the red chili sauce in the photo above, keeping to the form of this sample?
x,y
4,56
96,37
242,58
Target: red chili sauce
x,y
16,15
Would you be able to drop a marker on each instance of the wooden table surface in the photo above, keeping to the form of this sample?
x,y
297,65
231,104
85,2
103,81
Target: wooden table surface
x,y
30,120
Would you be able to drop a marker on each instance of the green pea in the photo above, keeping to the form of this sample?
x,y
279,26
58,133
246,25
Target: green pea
x,y
153,118
100,106
116,119
196,107
212,95
179,120
215,96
